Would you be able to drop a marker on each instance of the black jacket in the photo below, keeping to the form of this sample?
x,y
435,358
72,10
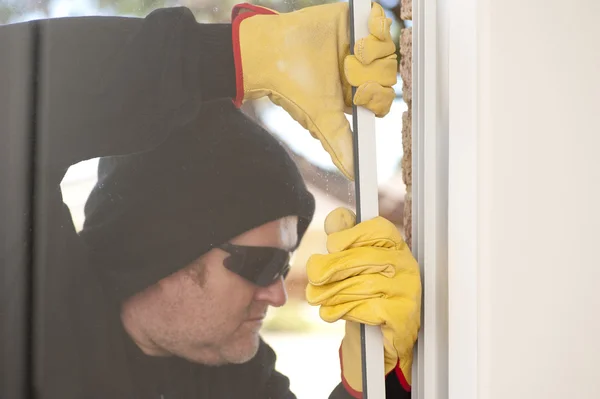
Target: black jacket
x,y
108,86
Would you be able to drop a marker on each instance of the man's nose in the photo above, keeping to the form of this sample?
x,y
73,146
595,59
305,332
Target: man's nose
x,y
274,294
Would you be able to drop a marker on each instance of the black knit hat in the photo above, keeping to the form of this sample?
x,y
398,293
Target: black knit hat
x,y
151,214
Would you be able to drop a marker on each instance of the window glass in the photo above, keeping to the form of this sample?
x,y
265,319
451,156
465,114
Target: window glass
x,y
134,193
15,206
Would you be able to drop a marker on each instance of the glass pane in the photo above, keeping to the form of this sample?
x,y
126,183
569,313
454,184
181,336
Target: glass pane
x,y
16,89
131,295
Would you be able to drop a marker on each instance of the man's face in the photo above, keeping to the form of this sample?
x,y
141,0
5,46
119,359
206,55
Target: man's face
x,y
206,313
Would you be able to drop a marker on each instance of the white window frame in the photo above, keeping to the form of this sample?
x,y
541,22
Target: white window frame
x,y
446,37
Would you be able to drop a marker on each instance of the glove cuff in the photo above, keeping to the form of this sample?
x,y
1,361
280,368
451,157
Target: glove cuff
x,y
353,392
346,364
238,14
401,377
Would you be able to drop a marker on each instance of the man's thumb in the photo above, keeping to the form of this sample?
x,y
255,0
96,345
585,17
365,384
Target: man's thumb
x,y
339,219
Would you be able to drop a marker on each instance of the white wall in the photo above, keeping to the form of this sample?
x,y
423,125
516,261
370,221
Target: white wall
x,y
534,211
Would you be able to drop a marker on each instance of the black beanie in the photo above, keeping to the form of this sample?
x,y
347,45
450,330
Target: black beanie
x,y
152,213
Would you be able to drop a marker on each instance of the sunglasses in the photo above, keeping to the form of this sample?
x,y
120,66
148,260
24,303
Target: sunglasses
x,y
261,266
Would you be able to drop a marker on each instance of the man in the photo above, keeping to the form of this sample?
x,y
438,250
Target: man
x,y
190,242
107,86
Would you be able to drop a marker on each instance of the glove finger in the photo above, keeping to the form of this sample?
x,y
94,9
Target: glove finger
x,y
383,71
364,312
331,268
375,98
350,290
319,296
377,232
334,133
379,24
369,49
339,219
330,127
379,28
405,285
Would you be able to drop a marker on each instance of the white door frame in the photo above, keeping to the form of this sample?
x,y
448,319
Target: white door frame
x,y
445,207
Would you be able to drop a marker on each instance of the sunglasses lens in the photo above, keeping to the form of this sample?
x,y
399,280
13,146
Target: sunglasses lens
x,y
259,265
284,273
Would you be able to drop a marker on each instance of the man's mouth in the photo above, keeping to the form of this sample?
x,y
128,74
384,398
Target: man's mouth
x,y
259,317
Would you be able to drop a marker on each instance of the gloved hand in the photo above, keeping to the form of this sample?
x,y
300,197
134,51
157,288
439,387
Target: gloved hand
x,y
301,61
369,277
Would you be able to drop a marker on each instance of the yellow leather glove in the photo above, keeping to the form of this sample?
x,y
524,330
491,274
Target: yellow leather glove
x,y
301,61
369,277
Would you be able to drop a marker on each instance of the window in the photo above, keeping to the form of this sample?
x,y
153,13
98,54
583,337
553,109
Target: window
x,y
122,290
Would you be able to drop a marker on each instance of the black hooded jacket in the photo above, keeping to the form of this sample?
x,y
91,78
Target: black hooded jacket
x,y
111,87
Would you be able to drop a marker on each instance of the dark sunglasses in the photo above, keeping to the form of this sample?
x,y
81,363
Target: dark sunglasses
x,y
259,265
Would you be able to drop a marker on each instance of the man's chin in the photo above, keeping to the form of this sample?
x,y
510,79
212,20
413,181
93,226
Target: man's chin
x,y
236,350
241,351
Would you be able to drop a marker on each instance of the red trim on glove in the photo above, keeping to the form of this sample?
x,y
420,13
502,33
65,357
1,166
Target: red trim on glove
x,y
349,389
235,11
358,395
402,378
239,13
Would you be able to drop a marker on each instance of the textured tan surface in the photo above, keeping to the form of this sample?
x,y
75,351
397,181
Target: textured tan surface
x,y
408,218
407,148
406,63
406,9
406,74
407,173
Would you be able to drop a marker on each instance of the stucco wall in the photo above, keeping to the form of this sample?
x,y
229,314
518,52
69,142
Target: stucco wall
x,y
406,74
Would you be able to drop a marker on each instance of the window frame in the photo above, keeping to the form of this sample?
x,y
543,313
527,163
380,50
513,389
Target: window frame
x,y
447,53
